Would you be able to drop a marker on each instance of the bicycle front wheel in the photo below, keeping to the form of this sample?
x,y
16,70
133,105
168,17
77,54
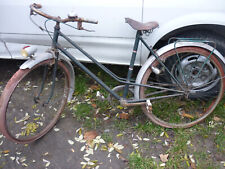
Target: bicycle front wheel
x,y
32,101
187,90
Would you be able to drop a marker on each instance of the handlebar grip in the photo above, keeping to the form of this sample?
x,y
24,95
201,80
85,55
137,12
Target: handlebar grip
x,y
90,21
38,6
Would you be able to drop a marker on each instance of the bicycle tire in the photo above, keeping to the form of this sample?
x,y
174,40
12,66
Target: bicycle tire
x,y
187,110
24,119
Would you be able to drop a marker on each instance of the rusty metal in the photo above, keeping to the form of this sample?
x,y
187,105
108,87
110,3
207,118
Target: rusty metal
x,y
124,103
5,97
208,111
35,9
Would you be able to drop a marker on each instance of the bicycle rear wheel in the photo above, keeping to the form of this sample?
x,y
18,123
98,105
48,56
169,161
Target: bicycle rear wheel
x,y
188,97
25,114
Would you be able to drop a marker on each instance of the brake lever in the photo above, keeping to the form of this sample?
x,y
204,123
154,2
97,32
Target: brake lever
x,y
38,6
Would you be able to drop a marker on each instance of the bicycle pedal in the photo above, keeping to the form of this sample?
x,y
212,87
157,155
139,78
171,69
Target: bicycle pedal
x,y
155,70
149,105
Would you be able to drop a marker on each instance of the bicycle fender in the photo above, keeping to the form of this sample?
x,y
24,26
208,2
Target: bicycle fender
x,y
165,49
39,57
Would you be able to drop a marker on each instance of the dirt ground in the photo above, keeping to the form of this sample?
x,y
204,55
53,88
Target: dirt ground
x,y
60,150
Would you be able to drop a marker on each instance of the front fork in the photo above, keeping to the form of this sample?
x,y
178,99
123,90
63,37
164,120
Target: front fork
x,y
56,54
37,98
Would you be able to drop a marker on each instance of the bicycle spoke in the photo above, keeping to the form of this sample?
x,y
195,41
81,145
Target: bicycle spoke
x,y
26,119
202,81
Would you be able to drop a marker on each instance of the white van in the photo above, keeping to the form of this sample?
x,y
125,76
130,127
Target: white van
x,y
112,39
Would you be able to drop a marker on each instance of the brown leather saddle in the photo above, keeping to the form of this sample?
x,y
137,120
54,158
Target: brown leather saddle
x,y
141,26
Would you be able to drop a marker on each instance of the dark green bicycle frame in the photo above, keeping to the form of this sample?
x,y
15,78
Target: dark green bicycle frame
x,y
126,81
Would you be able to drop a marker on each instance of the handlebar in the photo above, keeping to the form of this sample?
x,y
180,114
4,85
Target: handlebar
x,y
35,9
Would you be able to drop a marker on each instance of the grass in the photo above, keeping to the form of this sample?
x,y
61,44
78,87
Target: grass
x,y
220,140
203,160
121,124
80,84
107,137
149,127
82,111
178,149
136,161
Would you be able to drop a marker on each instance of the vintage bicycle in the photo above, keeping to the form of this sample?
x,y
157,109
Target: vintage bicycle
x,y
178,86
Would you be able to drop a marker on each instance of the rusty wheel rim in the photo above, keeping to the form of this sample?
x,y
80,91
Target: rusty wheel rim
x,y
156,119
6,95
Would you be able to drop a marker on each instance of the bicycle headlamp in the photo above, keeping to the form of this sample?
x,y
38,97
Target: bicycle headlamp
x,y
28,51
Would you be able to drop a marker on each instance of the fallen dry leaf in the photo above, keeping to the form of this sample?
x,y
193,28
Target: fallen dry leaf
x,y
148,105
45,154
123,159
118,148
162,165
24,164
187,115
193,165
111,148
95,87
164,157
124,115
12,158
167,136
106,118
90,135
94,105
186,159
216,118
47,162
104,148
70,142
135,145
191,158
188,142
166,143
79,131
6,151
89,151
98,140
80,139
119,107
119,135
56,129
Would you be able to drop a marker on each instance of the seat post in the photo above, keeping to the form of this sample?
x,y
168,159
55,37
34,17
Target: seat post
x,y
132,60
